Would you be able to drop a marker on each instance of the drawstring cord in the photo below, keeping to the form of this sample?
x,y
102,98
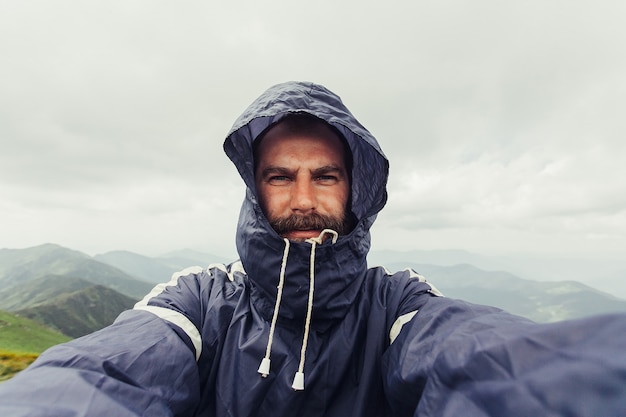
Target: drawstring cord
x,y
298,380
264,367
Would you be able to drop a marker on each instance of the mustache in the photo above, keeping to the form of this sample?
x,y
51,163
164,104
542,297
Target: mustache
x,y
313,221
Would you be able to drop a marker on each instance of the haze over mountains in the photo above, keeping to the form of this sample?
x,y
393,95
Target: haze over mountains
x,y
75,293
608,275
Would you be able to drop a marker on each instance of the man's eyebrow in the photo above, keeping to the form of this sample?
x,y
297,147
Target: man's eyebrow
x,y
328,169
324,170
276,170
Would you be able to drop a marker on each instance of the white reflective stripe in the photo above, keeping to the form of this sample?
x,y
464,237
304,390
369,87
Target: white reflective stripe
x,y
414,274
433,290
170,315
234,267
178,319
158,289
397,325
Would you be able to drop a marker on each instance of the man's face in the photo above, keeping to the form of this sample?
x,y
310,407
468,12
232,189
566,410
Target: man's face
x,y
302,182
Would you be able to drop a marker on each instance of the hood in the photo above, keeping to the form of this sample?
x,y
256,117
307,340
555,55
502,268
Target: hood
x,y
340,267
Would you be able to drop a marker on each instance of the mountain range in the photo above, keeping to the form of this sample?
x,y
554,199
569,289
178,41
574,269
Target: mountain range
x,y
157,269
80,312
608,274
76,294
21,266
541,301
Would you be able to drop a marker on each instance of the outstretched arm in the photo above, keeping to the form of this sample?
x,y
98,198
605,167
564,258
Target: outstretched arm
x,y
455,358
138,366
143,364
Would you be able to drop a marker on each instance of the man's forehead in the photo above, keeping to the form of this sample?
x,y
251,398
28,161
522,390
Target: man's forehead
x,y
280,145
301,126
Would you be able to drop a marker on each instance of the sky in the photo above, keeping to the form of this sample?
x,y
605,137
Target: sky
x,y
503,120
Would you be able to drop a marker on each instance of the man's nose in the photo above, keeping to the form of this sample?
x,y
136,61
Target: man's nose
x,y
303,197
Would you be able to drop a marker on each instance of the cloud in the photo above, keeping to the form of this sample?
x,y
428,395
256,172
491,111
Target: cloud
x,y
502,120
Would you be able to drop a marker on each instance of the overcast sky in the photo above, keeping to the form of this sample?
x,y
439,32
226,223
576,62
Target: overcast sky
x,y
505,121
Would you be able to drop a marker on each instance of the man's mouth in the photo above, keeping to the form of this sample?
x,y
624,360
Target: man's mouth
x,y
300,228
301,235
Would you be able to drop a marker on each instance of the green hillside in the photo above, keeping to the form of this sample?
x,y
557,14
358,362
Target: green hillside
x,y
40,291
80,312
20,334
21,341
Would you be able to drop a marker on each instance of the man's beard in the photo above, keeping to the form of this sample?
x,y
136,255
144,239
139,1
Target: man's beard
x,y
314,221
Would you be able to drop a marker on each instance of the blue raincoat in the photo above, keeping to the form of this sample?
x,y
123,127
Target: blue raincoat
x,y
214,341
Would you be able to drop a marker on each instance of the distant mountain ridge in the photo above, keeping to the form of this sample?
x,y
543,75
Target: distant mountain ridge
x,y
64,289
143,267
81,312
77,294
40,291
546,301
157,269
540,301
19,266
73,293
608,275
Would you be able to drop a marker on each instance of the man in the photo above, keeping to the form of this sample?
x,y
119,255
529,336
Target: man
x,y
301,327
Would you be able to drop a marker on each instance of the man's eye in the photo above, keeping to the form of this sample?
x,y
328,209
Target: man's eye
x,y
327,178
278,178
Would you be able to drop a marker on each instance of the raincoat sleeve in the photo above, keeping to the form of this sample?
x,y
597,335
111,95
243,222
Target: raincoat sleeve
x,y
455,358
141,365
